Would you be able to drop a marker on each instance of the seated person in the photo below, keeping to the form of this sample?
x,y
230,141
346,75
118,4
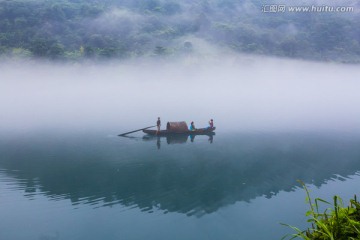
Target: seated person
x,y
192,127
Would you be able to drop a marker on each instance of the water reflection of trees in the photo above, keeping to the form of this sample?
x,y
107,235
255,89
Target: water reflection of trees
x,y
179,178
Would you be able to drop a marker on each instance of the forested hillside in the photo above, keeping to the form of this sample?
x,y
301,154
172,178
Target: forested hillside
x,y
79,29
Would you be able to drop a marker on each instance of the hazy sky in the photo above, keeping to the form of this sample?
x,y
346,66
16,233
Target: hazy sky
x,y
239,92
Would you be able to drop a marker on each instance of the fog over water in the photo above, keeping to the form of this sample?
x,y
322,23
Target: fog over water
x,y
239,92
64,173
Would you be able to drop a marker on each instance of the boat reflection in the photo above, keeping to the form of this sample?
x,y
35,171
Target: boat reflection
x,y
176,138
189,180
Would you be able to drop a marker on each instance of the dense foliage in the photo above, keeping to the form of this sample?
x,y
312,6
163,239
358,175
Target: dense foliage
x,y
79,29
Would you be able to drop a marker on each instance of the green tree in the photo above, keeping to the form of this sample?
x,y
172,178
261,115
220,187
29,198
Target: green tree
x,y
56,51
40,47
159,50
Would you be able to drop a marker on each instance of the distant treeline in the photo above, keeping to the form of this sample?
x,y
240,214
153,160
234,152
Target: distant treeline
x,y
83,29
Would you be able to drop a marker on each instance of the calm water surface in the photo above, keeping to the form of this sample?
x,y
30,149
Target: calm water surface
x,y
233,186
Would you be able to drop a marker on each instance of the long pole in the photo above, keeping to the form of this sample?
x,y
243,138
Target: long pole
x,y
123,134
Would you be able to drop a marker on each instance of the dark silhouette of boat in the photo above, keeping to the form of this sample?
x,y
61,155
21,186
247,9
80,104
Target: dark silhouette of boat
x,y
180,128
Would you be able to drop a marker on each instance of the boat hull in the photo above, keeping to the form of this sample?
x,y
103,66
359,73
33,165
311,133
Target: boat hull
x,y
200,131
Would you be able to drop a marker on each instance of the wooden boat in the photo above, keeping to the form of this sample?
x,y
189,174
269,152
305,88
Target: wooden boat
x,y
199,131
173,128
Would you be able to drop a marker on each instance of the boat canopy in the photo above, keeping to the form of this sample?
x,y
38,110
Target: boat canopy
x,y
177,126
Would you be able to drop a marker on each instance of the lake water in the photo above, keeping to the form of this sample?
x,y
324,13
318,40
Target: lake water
x,y
65,174
95,185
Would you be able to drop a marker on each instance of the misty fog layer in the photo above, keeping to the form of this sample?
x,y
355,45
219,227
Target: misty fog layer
x,y
239,93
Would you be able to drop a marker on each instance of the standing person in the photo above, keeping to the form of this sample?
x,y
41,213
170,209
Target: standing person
x,y
158,125
211,123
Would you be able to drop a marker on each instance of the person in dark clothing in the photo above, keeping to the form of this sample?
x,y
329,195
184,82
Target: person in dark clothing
x,y
158,124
